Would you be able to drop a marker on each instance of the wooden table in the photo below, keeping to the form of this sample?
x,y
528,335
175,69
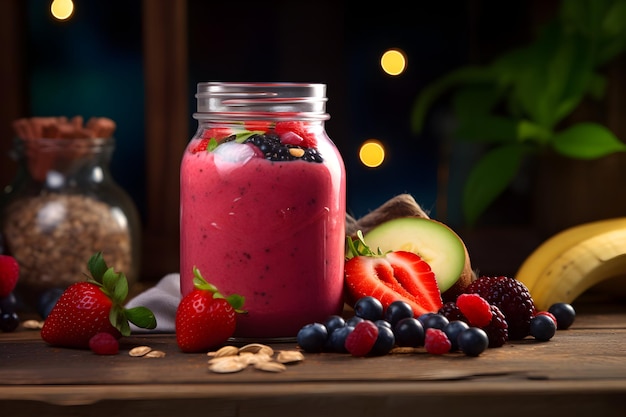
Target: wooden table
x,y
580,372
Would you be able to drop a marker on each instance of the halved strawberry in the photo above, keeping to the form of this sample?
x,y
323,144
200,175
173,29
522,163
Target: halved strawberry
x,y
299,128
396,275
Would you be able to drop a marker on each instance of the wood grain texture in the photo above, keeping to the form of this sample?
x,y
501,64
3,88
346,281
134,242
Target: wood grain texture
x,y
581,371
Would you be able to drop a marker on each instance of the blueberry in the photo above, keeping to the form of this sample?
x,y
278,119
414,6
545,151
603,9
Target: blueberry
x,y
398,310
383,322
369,308
47,300
384,342
9,321
542,328
354,320
422,317
409,332
473,341
564,313
452,330
434,321
337,339
334,322
312,337
8,304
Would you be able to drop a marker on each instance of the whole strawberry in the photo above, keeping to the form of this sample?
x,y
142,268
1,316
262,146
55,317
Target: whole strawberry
x,y
9,274
205,319
94,306
511,297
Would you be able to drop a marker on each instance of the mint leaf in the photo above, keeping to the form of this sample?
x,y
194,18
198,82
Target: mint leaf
x,y
243,135
141,317
212,145
587,141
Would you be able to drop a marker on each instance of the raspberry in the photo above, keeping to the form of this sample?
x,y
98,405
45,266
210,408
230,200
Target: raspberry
x,y
547,313
362,338
475,308
497,330
104,344
309,139
436,342
9,274
452,312
511,297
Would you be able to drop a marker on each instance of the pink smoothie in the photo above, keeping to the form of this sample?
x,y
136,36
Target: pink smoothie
x,y
270,231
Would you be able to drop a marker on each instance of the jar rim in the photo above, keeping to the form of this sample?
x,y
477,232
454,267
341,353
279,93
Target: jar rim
x,y
266,100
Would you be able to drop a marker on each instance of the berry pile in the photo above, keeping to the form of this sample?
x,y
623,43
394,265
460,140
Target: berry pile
x,y
9,275
375,331
469,325
273,149
511,297
280,141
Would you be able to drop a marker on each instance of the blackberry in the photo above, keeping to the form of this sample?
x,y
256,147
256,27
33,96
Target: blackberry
x,y
272,149
452,312
511,297
497,330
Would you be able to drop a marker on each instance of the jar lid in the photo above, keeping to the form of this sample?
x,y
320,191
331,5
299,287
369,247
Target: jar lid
x,y
252,100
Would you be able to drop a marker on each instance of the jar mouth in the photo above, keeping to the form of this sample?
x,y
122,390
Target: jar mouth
x,y
251,100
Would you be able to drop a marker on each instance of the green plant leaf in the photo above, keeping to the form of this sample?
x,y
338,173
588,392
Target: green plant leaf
x,y
141,317
528,131
491,175
430,94
587,141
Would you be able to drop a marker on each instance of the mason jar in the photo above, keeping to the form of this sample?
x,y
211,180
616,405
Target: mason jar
x,y
262,204
62,207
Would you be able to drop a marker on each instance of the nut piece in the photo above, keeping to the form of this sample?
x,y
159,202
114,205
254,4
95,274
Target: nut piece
x,y
32,324
224,351
257,348
139,351
289,356
270,366
226,365
155,354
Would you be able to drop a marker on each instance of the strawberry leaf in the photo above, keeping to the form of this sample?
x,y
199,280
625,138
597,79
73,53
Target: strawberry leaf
x,y
115,286
97,267
118,319
120,291
236,301
141,317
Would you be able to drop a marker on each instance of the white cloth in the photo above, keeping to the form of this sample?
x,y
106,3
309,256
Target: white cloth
x,y
163,300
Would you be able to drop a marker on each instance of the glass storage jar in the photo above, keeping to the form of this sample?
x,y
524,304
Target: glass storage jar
x,y
262,201
62,207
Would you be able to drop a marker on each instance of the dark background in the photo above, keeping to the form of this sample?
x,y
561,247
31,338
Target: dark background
x,y
92,65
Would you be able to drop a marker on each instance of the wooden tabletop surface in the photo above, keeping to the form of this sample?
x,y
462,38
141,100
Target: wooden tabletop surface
x,y
580,372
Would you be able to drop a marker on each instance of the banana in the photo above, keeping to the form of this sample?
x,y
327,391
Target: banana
x,y
591,253
532,268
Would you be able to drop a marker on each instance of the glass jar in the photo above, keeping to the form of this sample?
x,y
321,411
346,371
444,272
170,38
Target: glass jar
x,y
62,207
262,204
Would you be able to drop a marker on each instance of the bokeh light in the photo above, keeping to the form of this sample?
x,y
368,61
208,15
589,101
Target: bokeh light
x,y
393,62
372,153
62,9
